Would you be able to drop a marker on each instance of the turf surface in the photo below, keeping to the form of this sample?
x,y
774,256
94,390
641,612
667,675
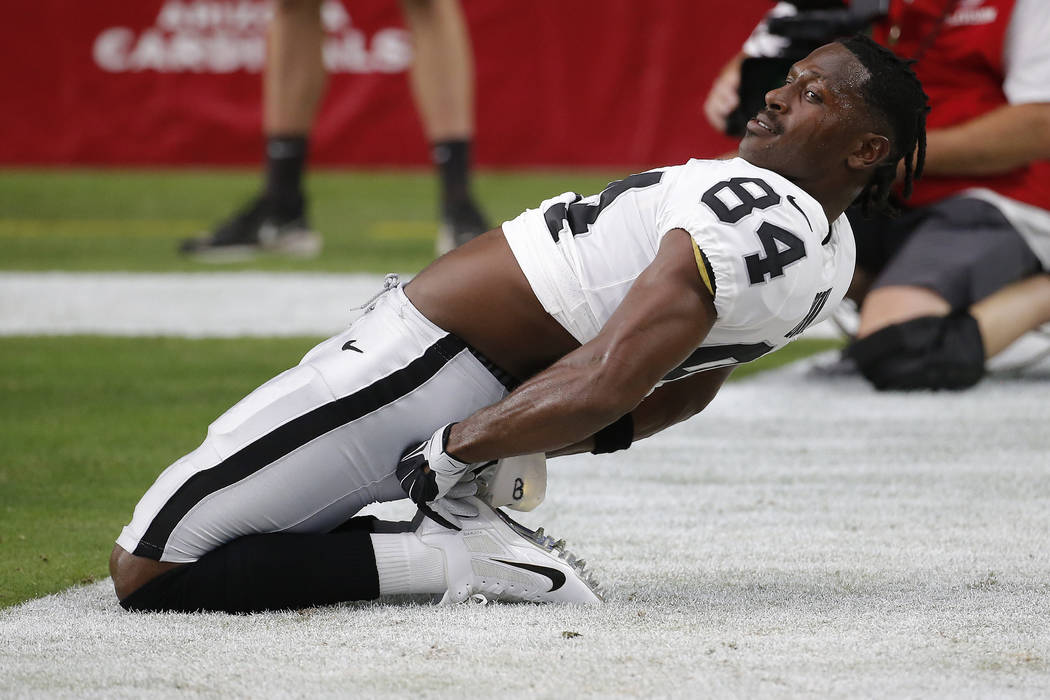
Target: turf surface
x,y
86,424
121,220
804,538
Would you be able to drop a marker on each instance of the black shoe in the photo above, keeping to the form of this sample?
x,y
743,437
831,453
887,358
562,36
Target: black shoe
x,y
255,228
459,223
841,366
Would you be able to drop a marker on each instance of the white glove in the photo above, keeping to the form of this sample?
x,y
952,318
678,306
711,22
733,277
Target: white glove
x,y
455,500
450,511
427,472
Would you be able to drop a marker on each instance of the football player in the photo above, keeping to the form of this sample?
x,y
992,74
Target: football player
x,y
581,325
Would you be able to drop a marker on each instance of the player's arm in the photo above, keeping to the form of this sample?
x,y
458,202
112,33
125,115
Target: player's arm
x,y
671,403
664,317
996,142
1017,133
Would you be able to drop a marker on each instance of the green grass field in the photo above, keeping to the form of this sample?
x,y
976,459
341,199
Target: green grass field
x,y
86,423
372,222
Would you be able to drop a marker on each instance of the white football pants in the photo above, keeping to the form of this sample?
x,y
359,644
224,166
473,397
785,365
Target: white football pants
x,y
308,449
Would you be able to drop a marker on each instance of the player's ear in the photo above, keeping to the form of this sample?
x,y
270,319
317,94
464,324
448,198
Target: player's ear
x,y
871,149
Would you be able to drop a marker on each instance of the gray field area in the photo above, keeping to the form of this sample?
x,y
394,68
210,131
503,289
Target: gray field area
x,y
803,538
181,304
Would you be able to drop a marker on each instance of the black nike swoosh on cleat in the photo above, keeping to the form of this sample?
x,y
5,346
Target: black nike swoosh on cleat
x,y
557,578
349,345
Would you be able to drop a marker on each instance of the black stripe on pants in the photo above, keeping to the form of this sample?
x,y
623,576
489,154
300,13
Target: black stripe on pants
x,y
291,436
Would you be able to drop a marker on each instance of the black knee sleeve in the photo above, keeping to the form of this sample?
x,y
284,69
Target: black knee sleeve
x,y
364,523
277,571
931,352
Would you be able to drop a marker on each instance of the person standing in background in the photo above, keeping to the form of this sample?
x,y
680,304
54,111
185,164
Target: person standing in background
x,y
442,79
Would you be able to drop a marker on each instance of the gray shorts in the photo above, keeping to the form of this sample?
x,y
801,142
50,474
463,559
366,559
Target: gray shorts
x,y
963,249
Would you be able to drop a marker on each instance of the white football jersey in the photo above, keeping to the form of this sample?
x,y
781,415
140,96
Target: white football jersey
x,y
764,248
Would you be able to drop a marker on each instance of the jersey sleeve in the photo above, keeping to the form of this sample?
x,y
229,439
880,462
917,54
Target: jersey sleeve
x,y
762,44
1027,53
722,211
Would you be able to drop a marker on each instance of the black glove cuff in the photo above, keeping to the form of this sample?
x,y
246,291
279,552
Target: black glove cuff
x,y
618,435
444,443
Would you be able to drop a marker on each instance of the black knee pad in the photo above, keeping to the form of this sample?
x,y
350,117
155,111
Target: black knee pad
x,y
931,352
366,523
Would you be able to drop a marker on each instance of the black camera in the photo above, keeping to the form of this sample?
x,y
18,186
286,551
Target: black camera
x,y
816,23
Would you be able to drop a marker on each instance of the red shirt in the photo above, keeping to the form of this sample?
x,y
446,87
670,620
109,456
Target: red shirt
x,y
962,71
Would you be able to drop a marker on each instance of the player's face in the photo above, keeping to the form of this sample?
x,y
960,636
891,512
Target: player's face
x,y
810,125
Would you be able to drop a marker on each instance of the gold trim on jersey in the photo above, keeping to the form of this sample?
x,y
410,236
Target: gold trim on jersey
x,y
706,274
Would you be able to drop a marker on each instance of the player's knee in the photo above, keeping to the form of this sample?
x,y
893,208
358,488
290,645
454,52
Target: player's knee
x,y
124,572
931,352
114,563
129,572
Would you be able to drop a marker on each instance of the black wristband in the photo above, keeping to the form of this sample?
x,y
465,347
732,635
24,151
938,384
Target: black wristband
x,y
618,435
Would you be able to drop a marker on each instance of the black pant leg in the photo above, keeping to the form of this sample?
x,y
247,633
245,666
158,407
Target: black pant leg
x,y
276,571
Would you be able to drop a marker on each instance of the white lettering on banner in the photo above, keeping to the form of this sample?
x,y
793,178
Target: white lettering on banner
x,y
211,36
984,15
970,12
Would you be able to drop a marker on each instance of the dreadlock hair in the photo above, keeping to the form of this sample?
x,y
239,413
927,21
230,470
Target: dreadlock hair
x,y
895,95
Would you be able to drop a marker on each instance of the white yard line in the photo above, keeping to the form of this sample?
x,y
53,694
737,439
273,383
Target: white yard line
x,y
194,305
191,305
258,304
217,304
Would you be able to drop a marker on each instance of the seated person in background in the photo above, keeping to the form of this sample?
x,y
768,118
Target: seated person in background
x,y
961,273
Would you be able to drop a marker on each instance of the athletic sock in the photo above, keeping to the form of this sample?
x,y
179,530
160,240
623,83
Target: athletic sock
x,y
277,571
452,159
406,565
285,162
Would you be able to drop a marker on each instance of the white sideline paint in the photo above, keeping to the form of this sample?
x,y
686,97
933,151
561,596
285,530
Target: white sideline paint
x,y
226,305
190,305
193,305
803,538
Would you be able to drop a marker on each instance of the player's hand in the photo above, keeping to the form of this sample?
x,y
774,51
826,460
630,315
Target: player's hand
x,y
466,486
427,472
724,95
450,511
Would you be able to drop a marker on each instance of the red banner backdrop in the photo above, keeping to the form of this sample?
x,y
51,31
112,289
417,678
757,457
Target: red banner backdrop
x,y
559,82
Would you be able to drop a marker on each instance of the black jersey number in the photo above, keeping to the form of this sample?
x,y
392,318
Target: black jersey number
x,y
705,358
777,257
781,247
581,217
748,201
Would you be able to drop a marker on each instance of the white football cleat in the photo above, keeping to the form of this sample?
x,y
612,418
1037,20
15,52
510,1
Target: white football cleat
x,y
495,558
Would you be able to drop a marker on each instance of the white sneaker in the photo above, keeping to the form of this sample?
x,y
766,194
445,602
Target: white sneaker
x,y
495,558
